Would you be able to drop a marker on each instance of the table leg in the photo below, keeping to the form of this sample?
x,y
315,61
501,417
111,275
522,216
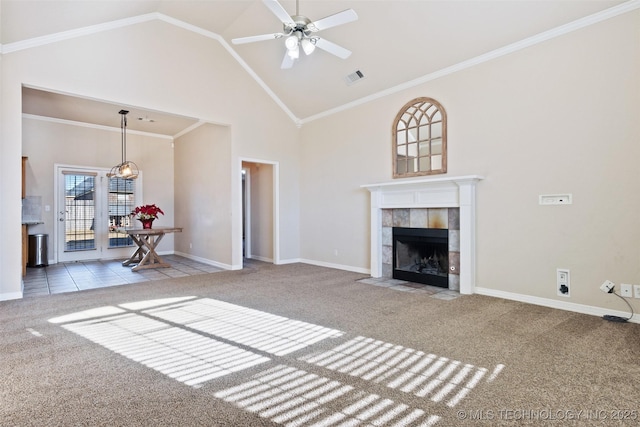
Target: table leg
x,y
151,258
138,255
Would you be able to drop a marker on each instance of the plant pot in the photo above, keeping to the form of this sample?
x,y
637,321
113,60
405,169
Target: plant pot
x,y
146,223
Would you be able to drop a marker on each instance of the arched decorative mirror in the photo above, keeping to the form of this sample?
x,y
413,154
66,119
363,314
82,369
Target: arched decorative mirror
x,y
420,139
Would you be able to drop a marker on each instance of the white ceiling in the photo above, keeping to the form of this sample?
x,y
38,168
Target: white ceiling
x,y
393,41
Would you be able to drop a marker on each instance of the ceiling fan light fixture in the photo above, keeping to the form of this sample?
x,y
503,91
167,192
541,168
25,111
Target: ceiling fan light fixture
x,y
308,45
291,42
294,53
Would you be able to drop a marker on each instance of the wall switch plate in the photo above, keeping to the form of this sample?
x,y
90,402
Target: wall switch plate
x,y
562,282
625,290
636,291
555,199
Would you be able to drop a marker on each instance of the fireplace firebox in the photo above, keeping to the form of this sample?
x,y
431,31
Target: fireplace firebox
x,y
421,255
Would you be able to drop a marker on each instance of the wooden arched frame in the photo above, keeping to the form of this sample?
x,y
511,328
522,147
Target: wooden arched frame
x,y
420,139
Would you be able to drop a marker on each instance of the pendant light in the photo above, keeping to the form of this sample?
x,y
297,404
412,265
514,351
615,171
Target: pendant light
x,y
126,169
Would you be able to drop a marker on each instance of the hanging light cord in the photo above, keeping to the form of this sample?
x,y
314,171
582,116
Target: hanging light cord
x,y
123,125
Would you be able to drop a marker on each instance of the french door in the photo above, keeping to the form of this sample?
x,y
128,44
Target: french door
x,y
90,208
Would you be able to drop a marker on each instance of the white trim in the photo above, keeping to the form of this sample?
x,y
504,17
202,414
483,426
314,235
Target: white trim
x,y
245,212
333,265
276,207
190,128
204,260
551,303
263,259
78,32
290,261
595,18
10,295
94,126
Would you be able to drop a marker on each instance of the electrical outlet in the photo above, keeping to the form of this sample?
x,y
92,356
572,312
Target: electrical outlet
x,y
562,282
625,290
636,291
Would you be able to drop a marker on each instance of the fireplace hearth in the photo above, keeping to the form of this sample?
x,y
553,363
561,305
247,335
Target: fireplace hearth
x,y
421,255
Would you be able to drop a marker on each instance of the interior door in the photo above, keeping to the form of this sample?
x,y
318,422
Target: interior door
x,y
90,208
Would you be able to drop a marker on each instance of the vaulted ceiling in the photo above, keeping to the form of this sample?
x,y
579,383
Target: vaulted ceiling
x,y
393,42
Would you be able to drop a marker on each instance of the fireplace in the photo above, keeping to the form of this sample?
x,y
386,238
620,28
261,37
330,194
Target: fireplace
x,y
427,193
421,255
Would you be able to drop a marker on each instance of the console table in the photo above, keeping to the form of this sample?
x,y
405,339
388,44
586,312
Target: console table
x,y
147,240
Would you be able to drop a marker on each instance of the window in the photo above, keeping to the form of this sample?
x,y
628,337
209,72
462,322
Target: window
x,y
121,201
420,139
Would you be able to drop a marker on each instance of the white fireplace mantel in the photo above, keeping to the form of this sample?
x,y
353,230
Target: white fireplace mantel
x,y
441,192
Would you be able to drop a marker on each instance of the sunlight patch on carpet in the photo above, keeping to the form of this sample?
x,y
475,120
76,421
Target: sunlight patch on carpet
x,y
183,355
192,339
405,369
295,398
262,331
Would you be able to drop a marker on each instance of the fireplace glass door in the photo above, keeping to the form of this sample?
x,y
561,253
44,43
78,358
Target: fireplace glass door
x,y
421,255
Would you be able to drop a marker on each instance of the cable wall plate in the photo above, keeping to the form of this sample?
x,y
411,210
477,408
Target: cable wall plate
x,y
555,199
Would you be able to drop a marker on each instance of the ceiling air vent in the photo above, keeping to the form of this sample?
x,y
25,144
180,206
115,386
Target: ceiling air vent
x,y
354,77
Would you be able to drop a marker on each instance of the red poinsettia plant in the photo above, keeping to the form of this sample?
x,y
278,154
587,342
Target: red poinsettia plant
x,y
146,212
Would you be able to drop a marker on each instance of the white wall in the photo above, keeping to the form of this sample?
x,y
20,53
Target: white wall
x,y
156,66
561,116
203,194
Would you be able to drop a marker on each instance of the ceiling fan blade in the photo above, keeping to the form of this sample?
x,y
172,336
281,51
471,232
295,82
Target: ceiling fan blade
x,y
339,18
280,13
287,61
333,48
251,39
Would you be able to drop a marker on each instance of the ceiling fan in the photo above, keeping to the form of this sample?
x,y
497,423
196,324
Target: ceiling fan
x,y
299,31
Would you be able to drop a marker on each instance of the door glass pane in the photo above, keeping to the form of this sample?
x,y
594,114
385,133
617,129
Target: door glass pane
x,y
79,219
121,203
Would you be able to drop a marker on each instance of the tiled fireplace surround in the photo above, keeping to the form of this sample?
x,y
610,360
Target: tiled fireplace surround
x,y
443,218
427,203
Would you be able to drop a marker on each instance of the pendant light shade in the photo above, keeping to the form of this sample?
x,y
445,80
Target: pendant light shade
x,y
126,169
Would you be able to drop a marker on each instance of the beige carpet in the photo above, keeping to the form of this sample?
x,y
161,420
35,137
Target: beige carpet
x,y
300,345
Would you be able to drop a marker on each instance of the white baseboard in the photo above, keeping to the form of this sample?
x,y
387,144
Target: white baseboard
x,y
10,295
205,260
288,261
336,266
551,303
261,258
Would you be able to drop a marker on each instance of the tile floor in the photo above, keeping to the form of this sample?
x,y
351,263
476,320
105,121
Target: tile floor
x,y
76,276
404,286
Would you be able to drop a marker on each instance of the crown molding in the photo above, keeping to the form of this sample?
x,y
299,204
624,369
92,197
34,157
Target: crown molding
x,y
95,126
595,18
78,32
93,29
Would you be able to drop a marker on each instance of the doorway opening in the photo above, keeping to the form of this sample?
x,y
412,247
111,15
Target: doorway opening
x,y
259,211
